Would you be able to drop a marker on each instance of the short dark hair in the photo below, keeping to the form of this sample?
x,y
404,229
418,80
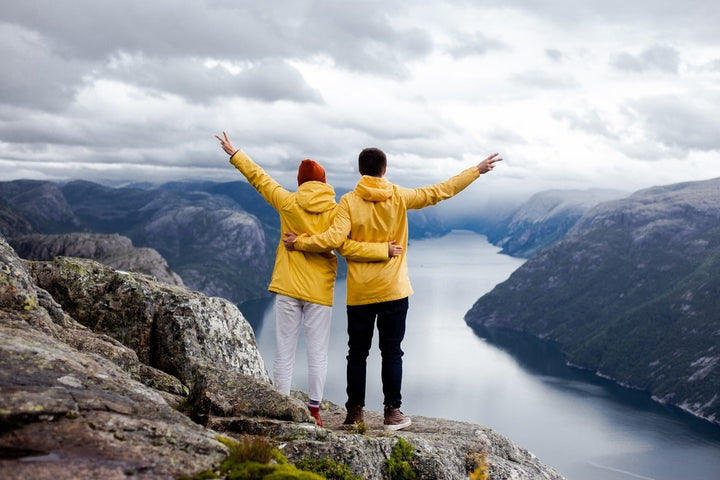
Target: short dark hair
x,y
372,161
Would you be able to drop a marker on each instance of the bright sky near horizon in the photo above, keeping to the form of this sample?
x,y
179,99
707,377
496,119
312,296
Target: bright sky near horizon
x,y
573,94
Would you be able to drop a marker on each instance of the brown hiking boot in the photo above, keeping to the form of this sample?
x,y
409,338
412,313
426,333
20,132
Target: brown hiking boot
x,y
354,415
395,420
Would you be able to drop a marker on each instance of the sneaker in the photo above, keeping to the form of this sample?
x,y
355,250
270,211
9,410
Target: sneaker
x,y
395,420
354,415
315,413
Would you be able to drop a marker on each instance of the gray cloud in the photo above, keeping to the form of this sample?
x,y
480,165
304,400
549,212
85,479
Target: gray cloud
x,y
545,80
49,47
360,35
686,123
589,122
554,54
659,57
694,18
33,74
473,44
712,66
188,77
104,88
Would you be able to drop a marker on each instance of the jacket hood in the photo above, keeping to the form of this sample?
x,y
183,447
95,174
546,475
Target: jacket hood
x,y
374,189
316,197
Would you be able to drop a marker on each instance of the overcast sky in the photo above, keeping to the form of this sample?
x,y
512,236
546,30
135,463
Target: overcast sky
x,y
573,94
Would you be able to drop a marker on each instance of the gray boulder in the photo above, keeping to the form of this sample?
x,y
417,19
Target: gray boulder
x,y
170,328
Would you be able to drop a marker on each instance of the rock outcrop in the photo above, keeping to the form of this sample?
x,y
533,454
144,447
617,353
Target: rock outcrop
x,y
113,250
96,366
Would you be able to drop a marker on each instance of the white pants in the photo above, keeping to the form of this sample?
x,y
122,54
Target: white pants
x,y
290,314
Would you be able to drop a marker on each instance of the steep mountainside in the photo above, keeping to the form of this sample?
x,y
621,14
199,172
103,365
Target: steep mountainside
x,y
41,204
633,293
545,218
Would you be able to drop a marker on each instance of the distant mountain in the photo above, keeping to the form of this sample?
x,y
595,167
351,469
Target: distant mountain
x,y
210,240
428,222
40,204
632,293
545,218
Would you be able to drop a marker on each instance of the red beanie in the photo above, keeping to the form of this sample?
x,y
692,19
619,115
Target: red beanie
x,y
310,170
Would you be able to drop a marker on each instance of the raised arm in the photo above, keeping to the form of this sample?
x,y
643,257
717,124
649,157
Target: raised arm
x,y
425,196
271,190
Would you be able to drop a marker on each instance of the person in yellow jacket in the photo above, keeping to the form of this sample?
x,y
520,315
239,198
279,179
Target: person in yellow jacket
x,y
304,282
376,211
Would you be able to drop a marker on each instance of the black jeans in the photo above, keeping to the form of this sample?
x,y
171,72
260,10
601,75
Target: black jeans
x,y
391,328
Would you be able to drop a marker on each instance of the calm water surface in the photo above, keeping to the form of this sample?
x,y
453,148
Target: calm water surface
x,y
585,427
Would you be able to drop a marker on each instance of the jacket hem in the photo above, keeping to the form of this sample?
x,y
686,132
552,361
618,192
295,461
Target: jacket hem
x,y
304,298
388,298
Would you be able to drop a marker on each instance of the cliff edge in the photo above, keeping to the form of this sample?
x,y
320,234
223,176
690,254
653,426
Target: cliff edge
x,y
109,374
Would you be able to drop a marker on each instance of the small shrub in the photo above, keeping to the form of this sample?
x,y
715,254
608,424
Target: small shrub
x,y
250,459
251,449
399,464
358,428
328,468
481,467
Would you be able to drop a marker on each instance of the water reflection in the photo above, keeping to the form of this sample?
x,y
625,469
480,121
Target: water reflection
x,y
545,360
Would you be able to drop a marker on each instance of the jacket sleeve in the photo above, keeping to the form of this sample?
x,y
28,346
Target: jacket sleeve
x,y
425,196
271,191
333,237
364,251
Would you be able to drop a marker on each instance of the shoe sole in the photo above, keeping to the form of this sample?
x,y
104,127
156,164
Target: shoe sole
x,y
399,426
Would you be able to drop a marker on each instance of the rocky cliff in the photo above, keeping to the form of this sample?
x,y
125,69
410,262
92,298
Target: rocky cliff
x,y
97,366
113,250
632,293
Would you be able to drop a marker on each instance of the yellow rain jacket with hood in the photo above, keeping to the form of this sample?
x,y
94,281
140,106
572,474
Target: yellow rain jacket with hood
x,y
376,211
305,275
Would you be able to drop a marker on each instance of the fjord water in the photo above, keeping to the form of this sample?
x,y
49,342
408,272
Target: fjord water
x,y
585,427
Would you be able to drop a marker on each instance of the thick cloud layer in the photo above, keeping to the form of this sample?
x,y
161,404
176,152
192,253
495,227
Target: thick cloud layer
x,y
573,94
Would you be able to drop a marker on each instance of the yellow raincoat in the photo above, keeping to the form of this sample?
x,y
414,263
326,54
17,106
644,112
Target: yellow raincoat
x,y
376,211
304,275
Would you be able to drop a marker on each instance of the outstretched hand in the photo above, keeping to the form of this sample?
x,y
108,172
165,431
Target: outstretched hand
x,y
226,144
289,241
394,250
489,163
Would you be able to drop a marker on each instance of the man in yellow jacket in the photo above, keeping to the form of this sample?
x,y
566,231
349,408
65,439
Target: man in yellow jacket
x,y
304,282
376,211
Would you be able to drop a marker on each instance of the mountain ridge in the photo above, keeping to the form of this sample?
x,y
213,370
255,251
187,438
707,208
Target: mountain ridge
x,y
632,293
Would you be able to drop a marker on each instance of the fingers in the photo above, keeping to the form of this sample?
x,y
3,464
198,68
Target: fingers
x,y
288,240
493,158
394,250
489,163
